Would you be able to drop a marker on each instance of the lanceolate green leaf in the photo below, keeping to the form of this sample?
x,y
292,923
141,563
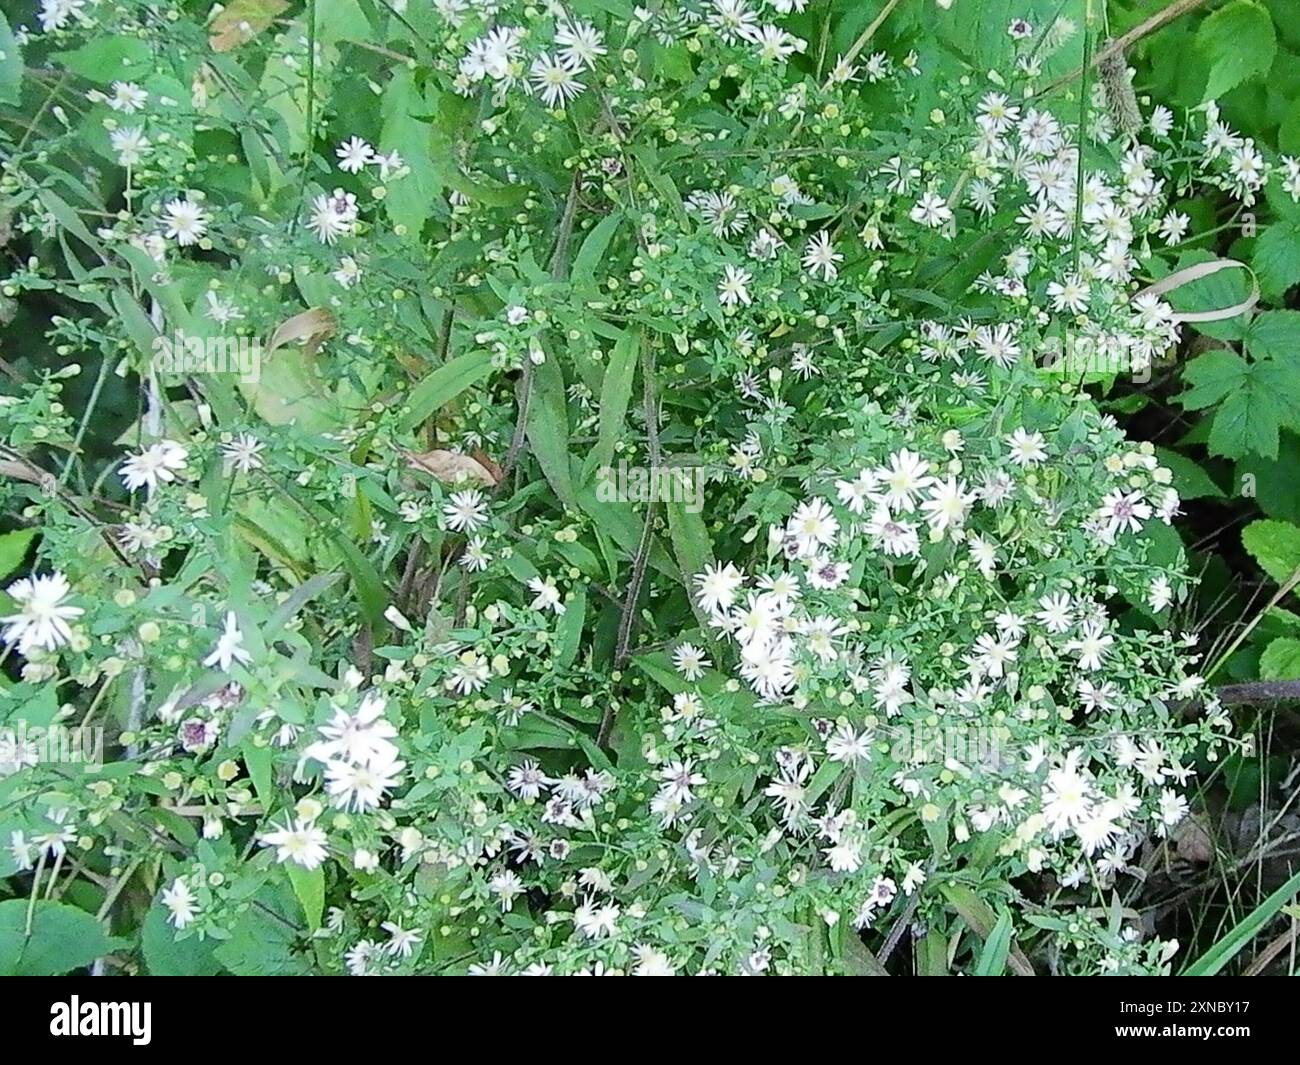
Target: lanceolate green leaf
x,y
548,430
615,395
587,262
444,384
1213,960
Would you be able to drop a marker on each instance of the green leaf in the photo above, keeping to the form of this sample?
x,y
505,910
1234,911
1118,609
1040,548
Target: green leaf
x,y
444,384
1256,400
365,578
1190,479
1275,335
978,31
1239,42
409,201
108,59
309,886
1280,660
589,257
615,395
993,958
62,938
263,940
932,954
1212,292
858,960
547,428
13,549
979,915
11,65
258,760
1214,959
568,637
1275,545
1271,482
299,598
1277,257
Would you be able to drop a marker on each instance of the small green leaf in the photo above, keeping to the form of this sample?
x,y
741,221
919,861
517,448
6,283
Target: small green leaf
x,y
258,760
569,632
309,886
1190,479
13,549
993,958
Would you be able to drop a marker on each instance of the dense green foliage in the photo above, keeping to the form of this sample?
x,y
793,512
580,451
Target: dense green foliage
x,y
582,488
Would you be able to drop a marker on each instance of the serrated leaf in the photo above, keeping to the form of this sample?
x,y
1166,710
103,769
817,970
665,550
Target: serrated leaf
x,y
1280,660
1277,257
1239,42
1275,335
1275,545
1255,401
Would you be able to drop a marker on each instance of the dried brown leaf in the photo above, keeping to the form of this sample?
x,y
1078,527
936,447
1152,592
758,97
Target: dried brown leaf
x,y
452,468
313,326
242,20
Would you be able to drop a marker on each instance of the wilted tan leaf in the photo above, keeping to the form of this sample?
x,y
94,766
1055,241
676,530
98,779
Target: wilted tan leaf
x,y
314,326
25,471
454,469
1193,841
242,20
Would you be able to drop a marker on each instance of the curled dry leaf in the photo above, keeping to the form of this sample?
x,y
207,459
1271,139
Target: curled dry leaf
x,y
456,469
242,20
1192,841
313,326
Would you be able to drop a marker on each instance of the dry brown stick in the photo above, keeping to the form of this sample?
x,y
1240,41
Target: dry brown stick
x,y
1265,957
1252,693
1122,44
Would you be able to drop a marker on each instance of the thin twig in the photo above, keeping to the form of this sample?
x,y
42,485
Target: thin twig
x,y
1122,44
